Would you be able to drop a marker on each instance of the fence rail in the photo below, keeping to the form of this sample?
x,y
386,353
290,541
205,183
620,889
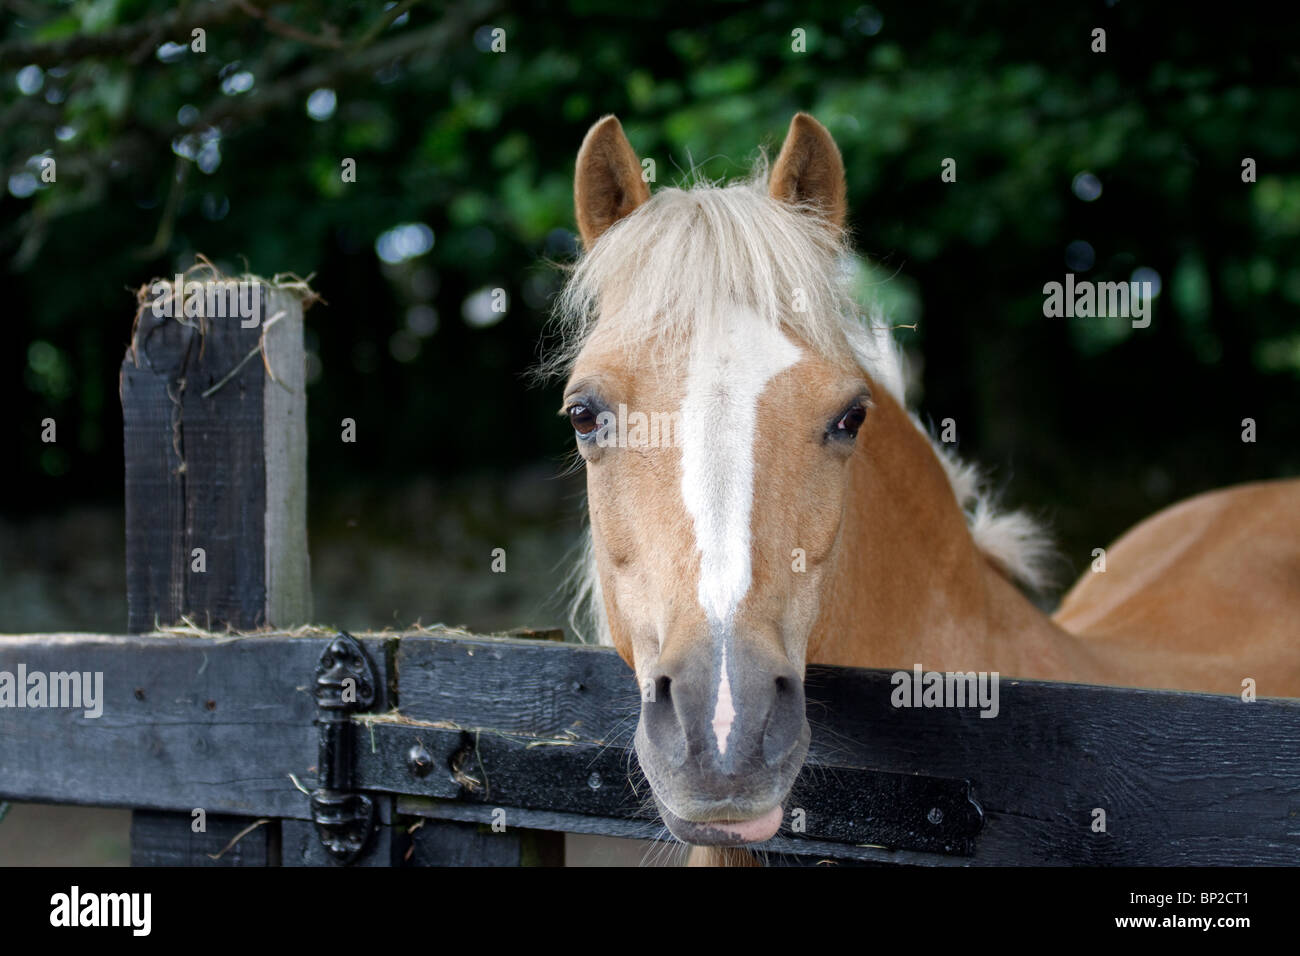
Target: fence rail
x,y
536,735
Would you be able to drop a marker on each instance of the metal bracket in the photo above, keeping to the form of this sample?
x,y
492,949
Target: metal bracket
x,y
345,684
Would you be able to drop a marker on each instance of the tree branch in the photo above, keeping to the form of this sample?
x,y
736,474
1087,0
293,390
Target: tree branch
x,y
328,39
454,27
383,23
123,40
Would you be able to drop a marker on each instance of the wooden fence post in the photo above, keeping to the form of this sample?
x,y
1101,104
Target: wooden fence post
x,y
214,416
214,413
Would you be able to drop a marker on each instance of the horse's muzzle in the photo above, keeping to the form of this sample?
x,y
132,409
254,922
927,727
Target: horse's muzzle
x,y
722,746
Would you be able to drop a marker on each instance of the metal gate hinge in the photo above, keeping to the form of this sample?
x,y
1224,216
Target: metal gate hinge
x,y
345,685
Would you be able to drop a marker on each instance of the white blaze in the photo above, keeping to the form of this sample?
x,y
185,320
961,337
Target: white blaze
x,y
728,371
724,711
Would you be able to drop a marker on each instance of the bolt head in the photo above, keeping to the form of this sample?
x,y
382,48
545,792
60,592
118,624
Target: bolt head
x,y
419,761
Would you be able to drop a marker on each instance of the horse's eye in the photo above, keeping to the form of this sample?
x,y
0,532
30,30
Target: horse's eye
x,y
582,418
848,424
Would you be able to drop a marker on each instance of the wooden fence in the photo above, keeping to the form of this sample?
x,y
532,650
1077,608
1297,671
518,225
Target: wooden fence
x,y
296,745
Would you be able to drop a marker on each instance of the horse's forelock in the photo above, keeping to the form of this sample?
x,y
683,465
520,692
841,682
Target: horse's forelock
x,y
691,256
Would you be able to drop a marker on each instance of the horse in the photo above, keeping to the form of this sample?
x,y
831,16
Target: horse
x,y
760,498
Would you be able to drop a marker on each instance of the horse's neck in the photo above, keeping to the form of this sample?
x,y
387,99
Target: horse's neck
x,y
910,586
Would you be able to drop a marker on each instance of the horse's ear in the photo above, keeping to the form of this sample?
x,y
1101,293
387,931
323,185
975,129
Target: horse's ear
x,y
607,183
809,170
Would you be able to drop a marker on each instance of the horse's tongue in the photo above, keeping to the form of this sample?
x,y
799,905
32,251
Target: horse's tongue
x,y
752,831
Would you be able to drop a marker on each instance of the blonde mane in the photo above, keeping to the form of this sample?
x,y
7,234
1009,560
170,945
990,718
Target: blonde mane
x,y
690,256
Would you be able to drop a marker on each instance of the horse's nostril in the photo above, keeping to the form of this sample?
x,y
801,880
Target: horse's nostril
x,y
782,685
663,688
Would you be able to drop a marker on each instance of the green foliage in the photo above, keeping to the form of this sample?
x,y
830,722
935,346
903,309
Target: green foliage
x,y
163,152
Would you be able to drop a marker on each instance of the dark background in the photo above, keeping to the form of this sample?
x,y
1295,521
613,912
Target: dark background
x,y
163,153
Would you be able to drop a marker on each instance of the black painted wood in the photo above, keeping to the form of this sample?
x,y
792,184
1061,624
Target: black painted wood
x,y
455,843
389,844
225,479
161,838
847,805
536,688
215,450
205,438
187,722
779,851
1183,778
156,564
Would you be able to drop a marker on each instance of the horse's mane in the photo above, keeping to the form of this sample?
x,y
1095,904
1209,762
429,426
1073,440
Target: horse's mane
x,y
690,256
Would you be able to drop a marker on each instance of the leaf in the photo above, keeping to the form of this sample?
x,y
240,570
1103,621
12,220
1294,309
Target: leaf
x,y
58,28
98,15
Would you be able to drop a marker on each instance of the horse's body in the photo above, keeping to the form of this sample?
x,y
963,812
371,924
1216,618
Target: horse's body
x,y
1209,596
1200,596
799,514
